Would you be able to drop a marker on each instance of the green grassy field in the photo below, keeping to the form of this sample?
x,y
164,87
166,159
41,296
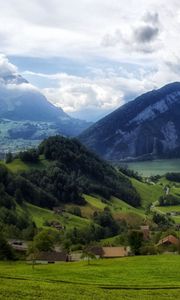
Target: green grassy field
x,y
119,209
149,193
142,278
18,165
169,209
155,167
40,215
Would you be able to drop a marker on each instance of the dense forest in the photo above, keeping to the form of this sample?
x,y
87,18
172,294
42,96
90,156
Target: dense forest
x,y
13,221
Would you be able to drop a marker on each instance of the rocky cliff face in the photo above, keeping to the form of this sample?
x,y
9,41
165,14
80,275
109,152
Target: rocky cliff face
x,y
148,127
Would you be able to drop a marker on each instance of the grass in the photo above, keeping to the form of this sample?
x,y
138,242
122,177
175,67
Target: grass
x,y
168,209
143,278
40,215
95,202
17,165
149,193
155,167
119,209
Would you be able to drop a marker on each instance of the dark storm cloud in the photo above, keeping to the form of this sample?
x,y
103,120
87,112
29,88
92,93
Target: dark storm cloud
x,y
146,33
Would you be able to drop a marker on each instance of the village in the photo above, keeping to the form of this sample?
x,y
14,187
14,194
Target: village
x,y
168,244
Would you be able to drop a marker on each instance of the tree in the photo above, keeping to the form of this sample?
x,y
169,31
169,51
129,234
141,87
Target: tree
x,y
44,240
6,251
135,241
9,157
30,156
33,251
88,254
19,196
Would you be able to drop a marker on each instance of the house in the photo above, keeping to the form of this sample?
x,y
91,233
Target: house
x,y
56,225
58,210
169,240
115,252
48,257
146,232
111,252
75,256
18,245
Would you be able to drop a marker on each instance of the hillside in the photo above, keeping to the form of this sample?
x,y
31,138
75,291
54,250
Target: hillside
x,y
63,173
95,201
145,128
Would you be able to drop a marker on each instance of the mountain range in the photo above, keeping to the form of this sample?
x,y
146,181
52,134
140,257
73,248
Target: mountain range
x,y
27,117
145,128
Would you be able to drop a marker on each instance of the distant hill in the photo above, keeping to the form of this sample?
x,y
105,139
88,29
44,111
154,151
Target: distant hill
x,y
27,117
145,128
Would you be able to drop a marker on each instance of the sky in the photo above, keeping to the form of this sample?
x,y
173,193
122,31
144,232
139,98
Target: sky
x,y
91,56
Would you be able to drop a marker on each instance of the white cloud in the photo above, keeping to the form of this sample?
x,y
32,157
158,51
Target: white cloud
x,y
76,28
97,94
12,85
6,68
102,91
144,34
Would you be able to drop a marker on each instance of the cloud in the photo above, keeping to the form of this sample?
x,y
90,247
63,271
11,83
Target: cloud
x,y
145,33
103,90
12,85
136,37
94,95
140,36
151,17
6,68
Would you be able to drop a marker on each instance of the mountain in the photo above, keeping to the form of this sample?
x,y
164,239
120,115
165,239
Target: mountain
x,y
26,114
145,128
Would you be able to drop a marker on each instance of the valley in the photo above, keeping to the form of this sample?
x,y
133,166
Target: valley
x,y
89,150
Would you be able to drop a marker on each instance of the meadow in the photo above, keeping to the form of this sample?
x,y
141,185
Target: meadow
x,y
143,278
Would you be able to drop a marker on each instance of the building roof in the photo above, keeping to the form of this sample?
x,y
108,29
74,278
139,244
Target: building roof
x,y
114,251
49,256
144,227
18,245
170,239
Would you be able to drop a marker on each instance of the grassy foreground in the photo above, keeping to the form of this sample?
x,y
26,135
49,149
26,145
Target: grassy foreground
x,y
143,278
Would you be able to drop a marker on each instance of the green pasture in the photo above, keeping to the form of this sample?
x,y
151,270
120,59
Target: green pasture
x,y
142,278
40,215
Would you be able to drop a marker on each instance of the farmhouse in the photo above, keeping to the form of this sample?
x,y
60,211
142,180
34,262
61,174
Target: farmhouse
x,y
115,252
49,257
111,252
169,240
18,245
58,210
57,225
75,256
